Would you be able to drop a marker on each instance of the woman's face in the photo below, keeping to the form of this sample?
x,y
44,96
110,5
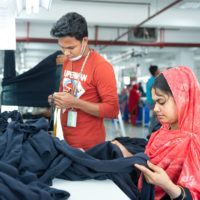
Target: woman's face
x,y
165,108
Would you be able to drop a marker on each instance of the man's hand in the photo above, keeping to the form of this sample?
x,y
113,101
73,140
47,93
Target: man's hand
x,y
64,100
50,99
60,59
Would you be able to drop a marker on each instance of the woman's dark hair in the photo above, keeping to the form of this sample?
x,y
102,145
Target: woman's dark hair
x,y
72,24
161,84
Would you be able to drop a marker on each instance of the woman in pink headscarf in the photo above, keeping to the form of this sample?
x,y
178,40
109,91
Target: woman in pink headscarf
x,y
134,98
174,149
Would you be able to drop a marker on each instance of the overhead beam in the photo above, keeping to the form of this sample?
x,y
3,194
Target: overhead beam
x,y
116,43
112,2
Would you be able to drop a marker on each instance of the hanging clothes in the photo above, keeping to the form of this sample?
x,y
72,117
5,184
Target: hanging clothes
x,y
134,98
178,151
33,86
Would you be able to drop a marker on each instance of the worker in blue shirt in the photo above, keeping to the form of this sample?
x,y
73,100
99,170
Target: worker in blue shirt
x,y
154,71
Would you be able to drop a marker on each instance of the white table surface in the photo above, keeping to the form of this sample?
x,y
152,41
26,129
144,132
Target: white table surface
x,y
91,189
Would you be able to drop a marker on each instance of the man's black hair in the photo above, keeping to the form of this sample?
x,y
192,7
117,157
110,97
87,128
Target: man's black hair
x,y
72,25
153,69
161,83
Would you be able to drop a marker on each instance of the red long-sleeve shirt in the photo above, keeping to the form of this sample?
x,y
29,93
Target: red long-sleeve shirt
x,y
98,85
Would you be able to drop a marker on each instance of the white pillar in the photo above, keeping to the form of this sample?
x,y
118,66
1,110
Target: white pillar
x,y
185,58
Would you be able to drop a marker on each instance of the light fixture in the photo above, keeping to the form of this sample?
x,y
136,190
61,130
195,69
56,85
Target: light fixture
x,y
32,5
148,60
36,4
28,6
190,4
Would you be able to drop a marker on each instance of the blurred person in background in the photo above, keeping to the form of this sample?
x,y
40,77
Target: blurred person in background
x,y
123,100
141,90
133,101
154,71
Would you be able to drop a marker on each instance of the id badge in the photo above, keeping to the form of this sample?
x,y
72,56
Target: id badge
x,y
72,118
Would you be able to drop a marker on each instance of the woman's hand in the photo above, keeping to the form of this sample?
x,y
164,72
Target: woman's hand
x,y
123,149
157,176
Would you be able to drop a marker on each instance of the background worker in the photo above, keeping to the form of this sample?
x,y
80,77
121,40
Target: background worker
x,y
88,91
154,71
133,101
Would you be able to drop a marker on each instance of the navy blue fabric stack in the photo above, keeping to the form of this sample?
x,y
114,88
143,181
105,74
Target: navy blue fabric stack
x,y
30,158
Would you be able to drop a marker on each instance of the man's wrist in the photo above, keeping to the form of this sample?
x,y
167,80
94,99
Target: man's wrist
x,y
75,103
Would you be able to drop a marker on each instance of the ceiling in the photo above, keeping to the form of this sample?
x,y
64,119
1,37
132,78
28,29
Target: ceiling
x,y
111,22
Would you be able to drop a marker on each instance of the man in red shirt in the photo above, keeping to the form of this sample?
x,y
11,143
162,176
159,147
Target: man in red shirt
x,y
88,91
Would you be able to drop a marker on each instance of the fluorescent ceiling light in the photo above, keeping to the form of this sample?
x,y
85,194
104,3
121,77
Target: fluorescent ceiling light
x,y
148,60
45,4
187,5
197,58
36,4
32,5
193,49
28,6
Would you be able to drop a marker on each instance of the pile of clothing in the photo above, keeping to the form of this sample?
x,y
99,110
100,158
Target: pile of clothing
x,y
30,158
